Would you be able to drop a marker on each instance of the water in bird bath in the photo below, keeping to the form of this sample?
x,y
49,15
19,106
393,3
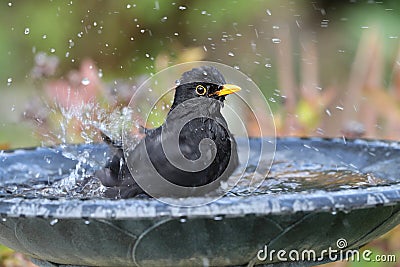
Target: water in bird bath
x,y
285,177
35,174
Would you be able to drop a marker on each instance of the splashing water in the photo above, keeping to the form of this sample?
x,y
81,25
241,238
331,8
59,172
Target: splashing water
x,y
78,123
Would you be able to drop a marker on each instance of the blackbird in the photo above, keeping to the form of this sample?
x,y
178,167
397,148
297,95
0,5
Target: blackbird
x,y
204,144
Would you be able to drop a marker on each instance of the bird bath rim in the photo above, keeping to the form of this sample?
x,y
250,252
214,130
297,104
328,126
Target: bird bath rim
x,y
266,204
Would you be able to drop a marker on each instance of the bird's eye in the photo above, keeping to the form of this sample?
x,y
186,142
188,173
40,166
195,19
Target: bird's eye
x,y
201,90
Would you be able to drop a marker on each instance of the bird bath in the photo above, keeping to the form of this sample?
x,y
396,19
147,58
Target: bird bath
x,y
319,191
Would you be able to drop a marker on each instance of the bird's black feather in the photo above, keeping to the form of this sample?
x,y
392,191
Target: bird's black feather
x,y
208,123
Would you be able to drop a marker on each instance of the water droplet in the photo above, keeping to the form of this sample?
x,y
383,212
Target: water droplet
x,y
94,23
176,34
52,50
218,218
328,112
85,81
204,12
9,4
339,107
231,54
44,36
53,222
71,43
276,40
100,74
9,81
164,19
3,219
87,222
205,262
275,27
324,23
142,30
128,6
182,219
269,12
13,108
268,65
147,55
182,7
26,31
111,213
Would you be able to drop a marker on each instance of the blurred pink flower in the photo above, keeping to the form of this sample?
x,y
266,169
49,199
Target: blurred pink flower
x,y
79,87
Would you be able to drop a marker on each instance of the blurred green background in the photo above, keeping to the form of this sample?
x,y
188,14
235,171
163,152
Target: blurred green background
x,y
327,68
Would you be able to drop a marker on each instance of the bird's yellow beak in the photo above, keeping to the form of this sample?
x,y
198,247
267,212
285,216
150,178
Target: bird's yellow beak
x,y
228,89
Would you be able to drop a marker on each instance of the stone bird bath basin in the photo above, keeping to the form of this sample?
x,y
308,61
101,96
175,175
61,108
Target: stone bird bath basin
x,y
227,232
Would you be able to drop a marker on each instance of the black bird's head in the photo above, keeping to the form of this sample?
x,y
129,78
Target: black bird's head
x,y
205,81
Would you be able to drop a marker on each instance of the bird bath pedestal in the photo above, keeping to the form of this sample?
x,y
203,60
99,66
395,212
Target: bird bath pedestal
x,y
231,231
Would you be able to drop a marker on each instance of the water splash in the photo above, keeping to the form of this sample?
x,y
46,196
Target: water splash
x,y
85,81
276,40
78,123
